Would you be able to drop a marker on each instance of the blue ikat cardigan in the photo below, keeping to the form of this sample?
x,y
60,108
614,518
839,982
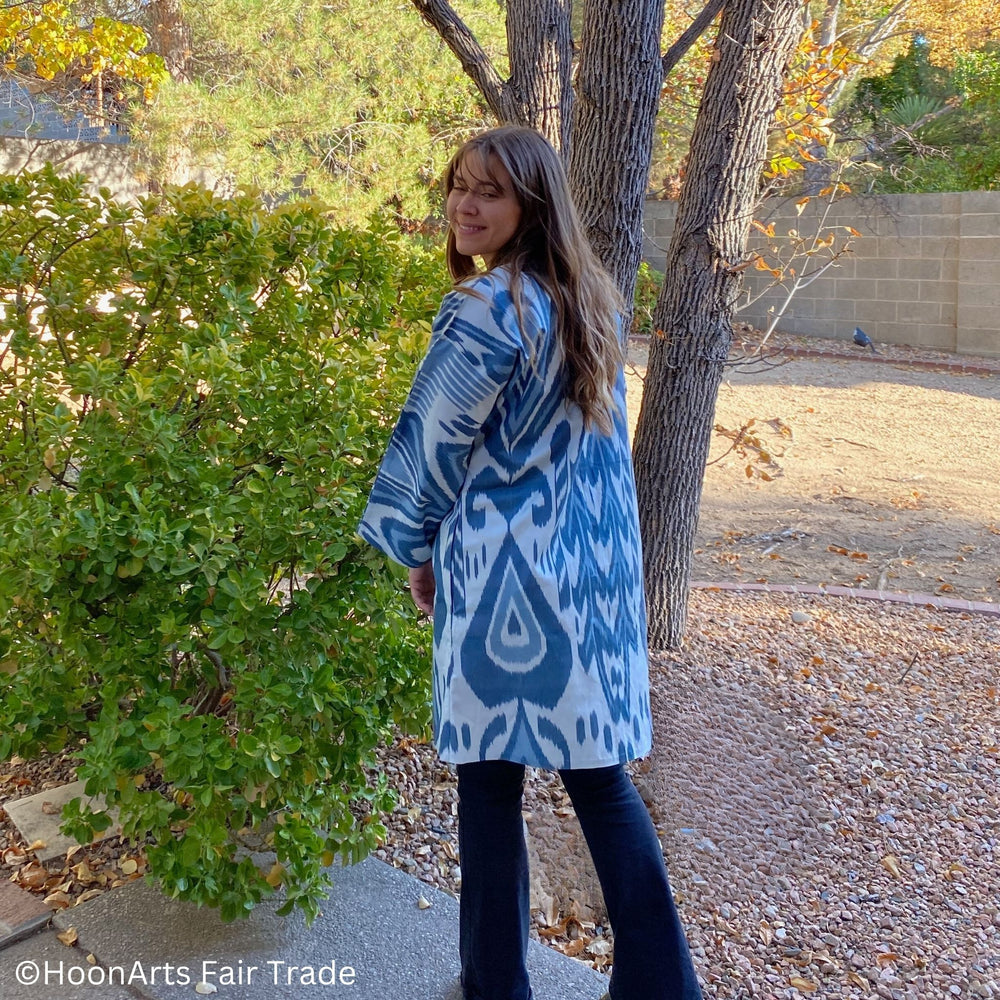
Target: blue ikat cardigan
x,y
530,520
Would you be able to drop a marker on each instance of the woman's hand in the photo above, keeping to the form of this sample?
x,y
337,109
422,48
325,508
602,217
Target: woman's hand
x,y
422,588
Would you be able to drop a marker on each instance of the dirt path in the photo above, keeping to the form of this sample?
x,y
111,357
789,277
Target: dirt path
x,y
888,477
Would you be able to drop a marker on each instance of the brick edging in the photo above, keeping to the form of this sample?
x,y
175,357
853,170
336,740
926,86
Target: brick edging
x,y
929,364
896,597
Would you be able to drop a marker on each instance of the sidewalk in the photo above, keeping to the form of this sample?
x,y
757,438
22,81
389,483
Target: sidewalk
x,y
372,942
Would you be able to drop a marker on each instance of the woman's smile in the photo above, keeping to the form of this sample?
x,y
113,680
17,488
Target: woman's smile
x,y
483,210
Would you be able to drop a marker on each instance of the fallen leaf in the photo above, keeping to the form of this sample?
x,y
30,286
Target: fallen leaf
x,y
574,948
886,958
69,937
803,984
423,903
91,959
599,946
50,808
58,900
37,845
891,864
205,988
89,894
129,866
855,980
32,876
84,874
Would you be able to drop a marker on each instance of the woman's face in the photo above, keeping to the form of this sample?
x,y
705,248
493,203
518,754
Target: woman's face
x,y
482,209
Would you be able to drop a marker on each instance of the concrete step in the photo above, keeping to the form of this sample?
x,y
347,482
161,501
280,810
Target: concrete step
x,y
371,942
37,818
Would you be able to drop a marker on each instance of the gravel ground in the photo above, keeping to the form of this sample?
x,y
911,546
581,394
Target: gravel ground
x,y
825,783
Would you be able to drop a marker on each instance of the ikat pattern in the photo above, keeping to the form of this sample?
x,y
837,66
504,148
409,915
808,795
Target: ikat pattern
x,y
530,519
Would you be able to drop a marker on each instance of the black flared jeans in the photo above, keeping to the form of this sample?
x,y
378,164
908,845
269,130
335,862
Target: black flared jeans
x,y
651,957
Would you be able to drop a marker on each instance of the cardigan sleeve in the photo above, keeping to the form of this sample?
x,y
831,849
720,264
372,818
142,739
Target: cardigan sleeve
x,y
474,350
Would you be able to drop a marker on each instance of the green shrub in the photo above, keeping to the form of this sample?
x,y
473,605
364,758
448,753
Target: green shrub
x,y
194,396
648,283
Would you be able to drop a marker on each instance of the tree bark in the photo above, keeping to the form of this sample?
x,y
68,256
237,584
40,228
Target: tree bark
x,y
540,44
617,95
170,37
701,286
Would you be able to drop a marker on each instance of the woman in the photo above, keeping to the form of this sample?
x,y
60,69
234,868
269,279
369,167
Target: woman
x,y
507,489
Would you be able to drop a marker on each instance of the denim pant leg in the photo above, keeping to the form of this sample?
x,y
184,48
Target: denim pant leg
x,y
494,901
652,960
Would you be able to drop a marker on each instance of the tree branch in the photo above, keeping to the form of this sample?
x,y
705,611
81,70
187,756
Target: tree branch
x,y
698,27
440,15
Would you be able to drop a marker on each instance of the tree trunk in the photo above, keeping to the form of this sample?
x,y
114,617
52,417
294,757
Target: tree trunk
x,y
540,44
701,286
170,37
617,96
539,92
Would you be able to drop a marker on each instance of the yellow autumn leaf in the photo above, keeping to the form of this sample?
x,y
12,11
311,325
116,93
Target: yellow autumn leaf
x,y
803,984
276,875
68,937
891,864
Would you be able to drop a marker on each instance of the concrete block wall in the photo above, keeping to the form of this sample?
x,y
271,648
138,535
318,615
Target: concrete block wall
x,y
108,165
925,270
105,165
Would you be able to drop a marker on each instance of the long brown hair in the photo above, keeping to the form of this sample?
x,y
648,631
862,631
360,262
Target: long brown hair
x,y
551,246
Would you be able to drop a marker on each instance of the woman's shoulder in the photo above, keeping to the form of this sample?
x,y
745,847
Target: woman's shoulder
x,y
506,301
500,281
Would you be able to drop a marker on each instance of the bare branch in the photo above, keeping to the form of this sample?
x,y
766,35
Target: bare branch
x,y
440,15
698,27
